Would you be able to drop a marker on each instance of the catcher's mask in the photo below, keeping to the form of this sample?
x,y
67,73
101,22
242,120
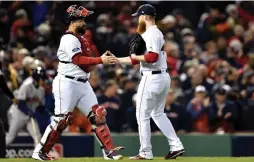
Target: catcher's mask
x,y
76,13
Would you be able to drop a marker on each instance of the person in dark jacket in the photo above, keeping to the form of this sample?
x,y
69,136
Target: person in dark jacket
x,y
222,112
176,113
110,101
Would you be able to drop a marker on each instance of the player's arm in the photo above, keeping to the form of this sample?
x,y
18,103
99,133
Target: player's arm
x,y
73,49
79,59
149,57
22,100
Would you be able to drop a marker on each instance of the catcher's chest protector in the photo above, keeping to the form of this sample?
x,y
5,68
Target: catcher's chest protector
x,y
85,46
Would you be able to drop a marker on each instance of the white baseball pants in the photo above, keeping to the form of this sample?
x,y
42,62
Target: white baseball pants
x,y
151,97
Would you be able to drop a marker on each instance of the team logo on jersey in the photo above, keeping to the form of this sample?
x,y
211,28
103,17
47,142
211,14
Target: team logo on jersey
x,y
75,49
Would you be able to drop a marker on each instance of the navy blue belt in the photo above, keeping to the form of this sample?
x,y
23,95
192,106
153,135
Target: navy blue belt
x,y
79,79
155,72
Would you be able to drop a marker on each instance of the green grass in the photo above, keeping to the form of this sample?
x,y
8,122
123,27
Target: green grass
x,y
157,159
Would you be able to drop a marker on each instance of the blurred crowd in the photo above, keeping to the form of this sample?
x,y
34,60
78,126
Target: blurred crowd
x,y
211,63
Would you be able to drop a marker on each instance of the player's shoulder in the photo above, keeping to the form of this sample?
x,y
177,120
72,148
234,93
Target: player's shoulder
x,y
26,83
68,38
153,32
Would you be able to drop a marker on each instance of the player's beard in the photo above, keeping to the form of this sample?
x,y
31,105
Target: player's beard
x,y
81,29
141,27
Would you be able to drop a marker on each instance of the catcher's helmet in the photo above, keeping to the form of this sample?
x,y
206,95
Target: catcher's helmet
x,y
39,73
75,13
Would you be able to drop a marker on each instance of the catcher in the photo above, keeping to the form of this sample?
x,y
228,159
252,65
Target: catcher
x,y
71,88
147,49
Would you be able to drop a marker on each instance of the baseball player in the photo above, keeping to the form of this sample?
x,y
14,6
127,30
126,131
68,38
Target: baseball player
x,y
29,97
72,89
153,88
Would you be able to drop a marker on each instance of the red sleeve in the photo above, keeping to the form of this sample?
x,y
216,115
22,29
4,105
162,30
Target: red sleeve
x,y
151,57
79,59
134,62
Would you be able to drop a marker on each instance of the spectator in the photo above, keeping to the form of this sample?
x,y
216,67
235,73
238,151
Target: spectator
x,y
248,114
222,113
176,113
40,10
4,27
197,108
181,21
173,61
131,115
126,99
235,53
196,79
210,53
176,89
21,30
110,101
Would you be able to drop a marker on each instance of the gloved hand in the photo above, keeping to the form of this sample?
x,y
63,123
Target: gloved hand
x,y
137,45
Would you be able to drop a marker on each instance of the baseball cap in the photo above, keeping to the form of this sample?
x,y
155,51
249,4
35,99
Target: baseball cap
x,y
145,9
200,88
221,91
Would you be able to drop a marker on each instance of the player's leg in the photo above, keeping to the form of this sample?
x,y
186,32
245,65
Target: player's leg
x,y
17,123
88,104
163,122
145,104
33,129
66,96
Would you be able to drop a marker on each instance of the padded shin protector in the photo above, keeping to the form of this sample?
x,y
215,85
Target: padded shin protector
x,y
103,135
52,138
56,131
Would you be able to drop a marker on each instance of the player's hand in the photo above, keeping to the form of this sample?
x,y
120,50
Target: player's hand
x,y
108,59
228,115
134,56
111,54
15,101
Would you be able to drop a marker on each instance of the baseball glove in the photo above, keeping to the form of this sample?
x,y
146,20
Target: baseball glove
x,y
137,45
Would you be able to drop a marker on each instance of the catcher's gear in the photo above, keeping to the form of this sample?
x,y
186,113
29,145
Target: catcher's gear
x,y
75,13
137,45
99,111
53,132
98,120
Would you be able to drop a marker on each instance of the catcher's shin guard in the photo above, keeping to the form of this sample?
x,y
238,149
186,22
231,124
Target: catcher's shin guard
x,y
53,132
101,129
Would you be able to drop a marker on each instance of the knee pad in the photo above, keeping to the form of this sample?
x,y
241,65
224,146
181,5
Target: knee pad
x,y
98,110
64,121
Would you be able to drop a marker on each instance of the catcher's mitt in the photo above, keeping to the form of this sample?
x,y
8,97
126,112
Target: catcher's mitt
x,y
137,45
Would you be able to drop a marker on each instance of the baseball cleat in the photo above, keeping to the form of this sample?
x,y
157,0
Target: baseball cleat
x,y
174,154
42,156
112,154
138,157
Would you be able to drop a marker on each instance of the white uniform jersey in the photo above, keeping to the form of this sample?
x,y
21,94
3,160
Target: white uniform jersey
x,y
31,94
69,46
154,42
